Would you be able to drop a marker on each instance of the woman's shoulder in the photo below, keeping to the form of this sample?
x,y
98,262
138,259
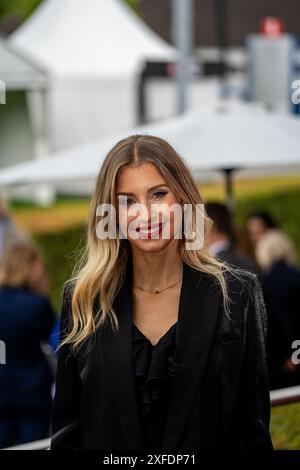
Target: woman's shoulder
x,y
245,300
239,281
23,293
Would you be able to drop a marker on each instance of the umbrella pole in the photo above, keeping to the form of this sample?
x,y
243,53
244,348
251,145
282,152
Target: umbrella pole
x,y
228,174
183,36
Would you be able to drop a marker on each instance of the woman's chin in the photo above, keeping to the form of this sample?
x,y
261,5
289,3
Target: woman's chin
x,y
150,245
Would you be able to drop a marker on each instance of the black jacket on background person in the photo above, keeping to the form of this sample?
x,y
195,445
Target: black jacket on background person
x,y
26,320
219,396
281,287
232,256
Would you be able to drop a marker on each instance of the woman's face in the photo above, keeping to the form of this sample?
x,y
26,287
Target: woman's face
x,y
256,229
145,186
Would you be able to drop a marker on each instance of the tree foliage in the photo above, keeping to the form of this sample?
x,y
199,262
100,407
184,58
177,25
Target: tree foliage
x,y
21,8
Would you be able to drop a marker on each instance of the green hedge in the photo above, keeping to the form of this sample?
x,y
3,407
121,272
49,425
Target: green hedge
x,y
283,205
60,251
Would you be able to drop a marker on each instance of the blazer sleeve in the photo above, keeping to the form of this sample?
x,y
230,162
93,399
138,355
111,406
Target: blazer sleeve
x,y
256,408
66,406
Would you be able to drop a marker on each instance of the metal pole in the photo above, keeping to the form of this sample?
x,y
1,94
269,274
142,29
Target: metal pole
x,y
229,188
221,14
183,38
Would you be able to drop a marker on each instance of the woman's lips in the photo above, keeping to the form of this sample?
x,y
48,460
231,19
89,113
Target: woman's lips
x,y
148,233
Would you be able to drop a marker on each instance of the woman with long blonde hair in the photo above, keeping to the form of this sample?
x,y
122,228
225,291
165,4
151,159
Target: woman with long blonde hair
x,y
162,346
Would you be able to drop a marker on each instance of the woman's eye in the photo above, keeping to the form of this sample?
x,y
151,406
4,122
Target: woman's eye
x,y
160,194
130,201
125,201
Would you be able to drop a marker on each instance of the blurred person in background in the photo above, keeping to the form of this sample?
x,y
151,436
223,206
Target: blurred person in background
x,y
26,319
258,223
9,232
281,285
223,241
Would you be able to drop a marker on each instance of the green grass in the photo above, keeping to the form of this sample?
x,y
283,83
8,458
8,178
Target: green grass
x,y
285,426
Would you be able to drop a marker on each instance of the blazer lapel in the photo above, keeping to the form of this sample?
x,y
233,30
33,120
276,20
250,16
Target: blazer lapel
x,y
118,356
198,311
197,316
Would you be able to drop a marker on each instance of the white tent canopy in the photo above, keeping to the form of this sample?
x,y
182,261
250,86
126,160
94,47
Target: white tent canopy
x,y
92,52
17,73
207,139
90,38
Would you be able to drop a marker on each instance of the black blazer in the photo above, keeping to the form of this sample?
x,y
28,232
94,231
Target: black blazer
x,y
219,395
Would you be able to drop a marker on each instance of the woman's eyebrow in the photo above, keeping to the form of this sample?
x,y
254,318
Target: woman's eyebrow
x,y
150,189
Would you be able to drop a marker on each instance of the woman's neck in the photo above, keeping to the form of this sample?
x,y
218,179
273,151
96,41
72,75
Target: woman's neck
x,y
156,270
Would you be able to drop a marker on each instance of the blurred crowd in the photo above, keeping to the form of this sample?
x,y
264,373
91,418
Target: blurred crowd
x,y
29,326
264,248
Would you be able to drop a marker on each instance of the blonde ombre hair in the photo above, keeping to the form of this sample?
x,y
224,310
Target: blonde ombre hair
x,y
101,267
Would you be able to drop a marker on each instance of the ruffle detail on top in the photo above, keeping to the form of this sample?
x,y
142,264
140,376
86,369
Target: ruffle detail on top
x,y
154,365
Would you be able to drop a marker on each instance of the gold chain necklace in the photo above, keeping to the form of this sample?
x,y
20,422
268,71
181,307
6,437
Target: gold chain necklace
x,y
159,291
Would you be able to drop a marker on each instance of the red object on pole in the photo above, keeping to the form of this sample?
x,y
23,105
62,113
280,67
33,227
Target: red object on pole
x,y
271,26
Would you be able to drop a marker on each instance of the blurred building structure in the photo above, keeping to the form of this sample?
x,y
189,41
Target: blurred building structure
x,y
242,17
231,50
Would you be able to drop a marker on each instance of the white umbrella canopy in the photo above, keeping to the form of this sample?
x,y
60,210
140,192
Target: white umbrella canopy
x,y
207,139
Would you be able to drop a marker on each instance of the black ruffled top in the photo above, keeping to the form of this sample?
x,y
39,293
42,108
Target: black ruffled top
x,y
154,367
